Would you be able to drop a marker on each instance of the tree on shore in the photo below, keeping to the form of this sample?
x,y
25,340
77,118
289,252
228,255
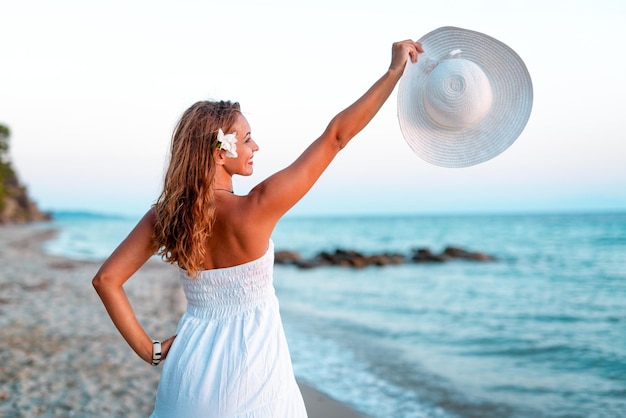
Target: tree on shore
x,y
7,174
15,205
5,133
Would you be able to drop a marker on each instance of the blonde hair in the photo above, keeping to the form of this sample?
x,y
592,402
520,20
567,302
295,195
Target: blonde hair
x,y
185,209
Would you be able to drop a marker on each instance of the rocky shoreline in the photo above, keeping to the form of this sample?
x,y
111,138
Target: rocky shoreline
x,y
356,259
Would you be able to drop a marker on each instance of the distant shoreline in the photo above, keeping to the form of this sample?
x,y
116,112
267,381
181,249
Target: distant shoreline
x,y
88,214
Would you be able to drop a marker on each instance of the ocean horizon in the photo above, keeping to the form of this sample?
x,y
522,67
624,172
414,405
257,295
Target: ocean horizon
x,y
539,332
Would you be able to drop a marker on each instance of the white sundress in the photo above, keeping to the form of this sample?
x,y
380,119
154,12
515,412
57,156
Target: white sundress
x,y
230,356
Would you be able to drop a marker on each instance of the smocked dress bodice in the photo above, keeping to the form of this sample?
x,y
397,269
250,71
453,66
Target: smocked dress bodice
x,y
221,293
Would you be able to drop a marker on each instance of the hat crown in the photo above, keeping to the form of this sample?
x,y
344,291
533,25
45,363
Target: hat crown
x,y
457,94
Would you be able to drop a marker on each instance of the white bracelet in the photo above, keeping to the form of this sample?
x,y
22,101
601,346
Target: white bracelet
x,y
156,352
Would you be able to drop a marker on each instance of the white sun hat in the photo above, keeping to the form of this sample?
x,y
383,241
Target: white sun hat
x,y
466,100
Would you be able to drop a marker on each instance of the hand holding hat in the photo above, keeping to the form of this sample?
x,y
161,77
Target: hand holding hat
x,y
466,100
403,51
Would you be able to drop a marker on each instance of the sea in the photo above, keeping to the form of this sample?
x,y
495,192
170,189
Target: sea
x,y
539,332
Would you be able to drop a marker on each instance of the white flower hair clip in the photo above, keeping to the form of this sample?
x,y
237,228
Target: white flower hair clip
x,y
227,143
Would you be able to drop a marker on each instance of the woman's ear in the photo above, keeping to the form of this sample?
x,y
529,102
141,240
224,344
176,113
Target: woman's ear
x,y
219,156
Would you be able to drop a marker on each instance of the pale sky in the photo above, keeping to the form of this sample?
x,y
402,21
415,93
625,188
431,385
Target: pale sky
x,y
92,91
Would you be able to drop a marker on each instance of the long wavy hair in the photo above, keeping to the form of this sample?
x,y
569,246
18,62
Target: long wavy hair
x,y
185,210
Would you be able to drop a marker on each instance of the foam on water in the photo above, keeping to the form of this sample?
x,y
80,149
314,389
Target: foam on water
x,y
344,377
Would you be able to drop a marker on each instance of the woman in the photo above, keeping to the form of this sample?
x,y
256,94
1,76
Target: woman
x,y
229,357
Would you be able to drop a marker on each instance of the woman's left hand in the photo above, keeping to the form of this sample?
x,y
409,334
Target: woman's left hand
x,y
165,346
403,50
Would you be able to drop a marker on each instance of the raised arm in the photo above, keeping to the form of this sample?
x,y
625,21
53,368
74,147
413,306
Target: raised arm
x,y
280,192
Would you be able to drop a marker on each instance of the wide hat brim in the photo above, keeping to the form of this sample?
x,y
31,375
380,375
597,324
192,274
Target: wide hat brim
x,y
506,109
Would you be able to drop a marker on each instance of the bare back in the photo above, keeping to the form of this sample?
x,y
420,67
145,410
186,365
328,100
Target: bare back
x,y
238,236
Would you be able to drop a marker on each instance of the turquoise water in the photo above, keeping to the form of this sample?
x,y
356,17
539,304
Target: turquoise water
x,y
541,332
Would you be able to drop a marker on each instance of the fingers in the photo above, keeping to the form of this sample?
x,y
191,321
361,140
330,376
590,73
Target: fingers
x,y
165,347
403,50
419,48
415,48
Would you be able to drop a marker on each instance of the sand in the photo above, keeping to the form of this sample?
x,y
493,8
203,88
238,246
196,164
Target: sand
x,y
61,356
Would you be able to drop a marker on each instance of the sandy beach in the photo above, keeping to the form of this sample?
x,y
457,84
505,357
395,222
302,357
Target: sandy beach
x,y
60,354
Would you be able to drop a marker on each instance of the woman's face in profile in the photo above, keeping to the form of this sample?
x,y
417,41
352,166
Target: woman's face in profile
x,y
246,147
